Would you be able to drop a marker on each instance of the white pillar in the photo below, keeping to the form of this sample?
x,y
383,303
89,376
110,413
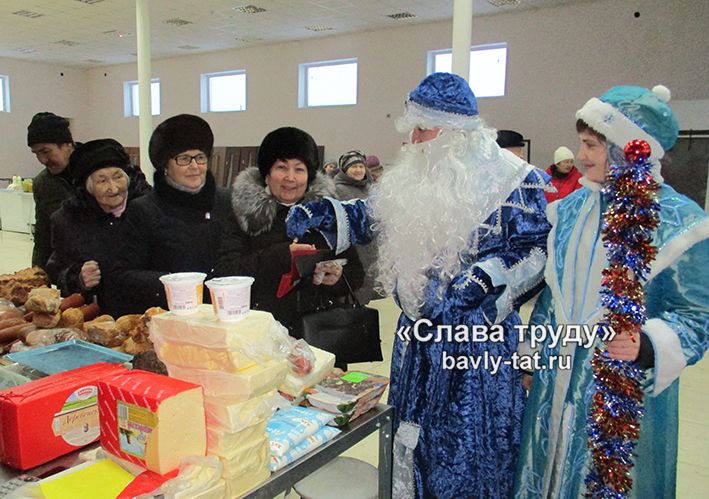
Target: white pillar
x,y
462,36
145,118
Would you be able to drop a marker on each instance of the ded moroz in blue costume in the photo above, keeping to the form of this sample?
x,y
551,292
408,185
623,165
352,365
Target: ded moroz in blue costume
x,y
461,231
554,456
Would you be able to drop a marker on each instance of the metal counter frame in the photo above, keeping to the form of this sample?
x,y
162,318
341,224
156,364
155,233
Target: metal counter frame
x,y
379,418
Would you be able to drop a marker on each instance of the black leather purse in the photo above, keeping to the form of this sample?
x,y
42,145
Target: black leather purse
x,y
349,330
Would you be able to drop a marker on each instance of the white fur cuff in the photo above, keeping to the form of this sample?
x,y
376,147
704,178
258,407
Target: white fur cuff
x,y
669,357
617,128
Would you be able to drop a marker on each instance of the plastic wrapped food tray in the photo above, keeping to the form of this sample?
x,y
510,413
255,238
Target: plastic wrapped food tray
x,y
52,359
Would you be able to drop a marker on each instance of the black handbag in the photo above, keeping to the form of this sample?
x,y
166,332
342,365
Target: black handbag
x,y
349,330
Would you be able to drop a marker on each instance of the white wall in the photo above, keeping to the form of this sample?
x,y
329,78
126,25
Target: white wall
x,y
557,59
692,114
38,87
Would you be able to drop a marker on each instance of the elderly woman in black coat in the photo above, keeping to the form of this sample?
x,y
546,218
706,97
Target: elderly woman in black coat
x,y
85,228
256,243
177,227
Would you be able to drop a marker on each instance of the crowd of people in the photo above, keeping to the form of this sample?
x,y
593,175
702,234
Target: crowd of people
x,y
460,229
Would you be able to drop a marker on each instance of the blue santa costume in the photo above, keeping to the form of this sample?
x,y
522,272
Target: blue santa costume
x,y
554,457
457,430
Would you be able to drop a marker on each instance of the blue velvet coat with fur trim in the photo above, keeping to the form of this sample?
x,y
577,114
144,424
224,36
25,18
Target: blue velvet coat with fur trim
x,y
457,424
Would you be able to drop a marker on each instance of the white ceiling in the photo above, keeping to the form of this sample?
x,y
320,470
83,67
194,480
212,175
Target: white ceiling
x,y
102,32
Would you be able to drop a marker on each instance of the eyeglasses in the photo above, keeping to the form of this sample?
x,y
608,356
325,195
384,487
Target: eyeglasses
x,y
186,159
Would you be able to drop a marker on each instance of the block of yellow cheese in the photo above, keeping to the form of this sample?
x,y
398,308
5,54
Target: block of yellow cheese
x,y
294,385
239,485
200,478
221,442
237,386
235,416
200,340
183,354
151,420
247,460
242,475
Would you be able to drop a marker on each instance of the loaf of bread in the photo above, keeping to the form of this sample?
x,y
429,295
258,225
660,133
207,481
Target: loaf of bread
x,y
46,320
72,317
106,334
45,300
128,323
16,287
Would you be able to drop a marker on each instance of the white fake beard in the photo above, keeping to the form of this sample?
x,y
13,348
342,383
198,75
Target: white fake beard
x,y
425,210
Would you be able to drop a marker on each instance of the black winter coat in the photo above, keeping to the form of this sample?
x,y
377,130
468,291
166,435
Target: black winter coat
x,y
256,245
166,231
49,192
82,231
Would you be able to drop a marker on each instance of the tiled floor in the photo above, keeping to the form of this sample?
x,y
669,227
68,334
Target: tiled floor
x,y
692,467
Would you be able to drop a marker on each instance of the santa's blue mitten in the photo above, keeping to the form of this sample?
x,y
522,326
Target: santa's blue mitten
x,y
313,215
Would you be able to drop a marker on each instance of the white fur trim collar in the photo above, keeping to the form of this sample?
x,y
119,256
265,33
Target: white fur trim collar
x,y
617,128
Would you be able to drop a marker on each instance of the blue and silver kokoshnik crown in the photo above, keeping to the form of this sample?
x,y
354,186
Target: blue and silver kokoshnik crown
x,y
441,100
625,113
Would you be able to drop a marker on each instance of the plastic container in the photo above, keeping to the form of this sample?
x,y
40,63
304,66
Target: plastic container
x,y
183,291
231,297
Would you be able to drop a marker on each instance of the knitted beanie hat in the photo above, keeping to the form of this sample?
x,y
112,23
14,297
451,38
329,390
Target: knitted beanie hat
x,y
48,128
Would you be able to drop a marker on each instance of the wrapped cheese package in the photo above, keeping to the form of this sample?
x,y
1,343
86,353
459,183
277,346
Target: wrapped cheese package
x,y
222,442
202,341
294,385
52,416
235,416
151,420
236,386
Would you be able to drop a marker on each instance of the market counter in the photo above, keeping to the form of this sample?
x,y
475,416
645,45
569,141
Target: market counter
x,y
379,418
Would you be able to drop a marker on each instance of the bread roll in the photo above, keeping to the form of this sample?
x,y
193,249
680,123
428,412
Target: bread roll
x,y
106,334
46,320
43,300
128,323
72,317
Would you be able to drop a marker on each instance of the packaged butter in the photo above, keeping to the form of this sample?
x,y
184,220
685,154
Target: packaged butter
x,y
151,420
221,442
295,385
254,457
52,416
235,416
239,485
201,340
237,386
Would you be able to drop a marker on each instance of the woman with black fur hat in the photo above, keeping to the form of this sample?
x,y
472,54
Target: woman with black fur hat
x,y
176,228
256,243
85,228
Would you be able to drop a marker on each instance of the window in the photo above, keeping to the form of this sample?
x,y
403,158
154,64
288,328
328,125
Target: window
x,y
222,92
131,103
488,68
4,94
328,83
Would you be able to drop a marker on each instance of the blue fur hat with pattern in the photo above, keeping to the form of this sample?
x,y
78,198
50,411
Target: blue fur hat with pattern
x,y
441,100
446,92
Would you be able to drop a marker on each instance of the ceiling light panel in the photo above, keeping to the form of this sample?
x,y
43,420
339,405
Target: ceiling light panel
x,y
249,9
178,22
319,27
402,15
502,3
28,13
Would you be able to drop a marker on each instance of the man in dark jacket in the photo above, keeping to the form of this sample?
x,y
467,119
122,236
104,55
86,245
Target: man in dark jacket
x,y
49,138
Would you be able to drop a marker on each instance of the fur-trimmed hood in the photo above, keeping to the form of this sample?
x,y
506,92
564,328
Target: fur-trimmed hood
x,y
255,209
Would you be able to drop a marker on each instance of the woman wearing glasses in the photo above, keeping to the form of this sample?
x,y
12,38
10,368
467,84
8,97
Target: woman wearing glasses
x,y
176,228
